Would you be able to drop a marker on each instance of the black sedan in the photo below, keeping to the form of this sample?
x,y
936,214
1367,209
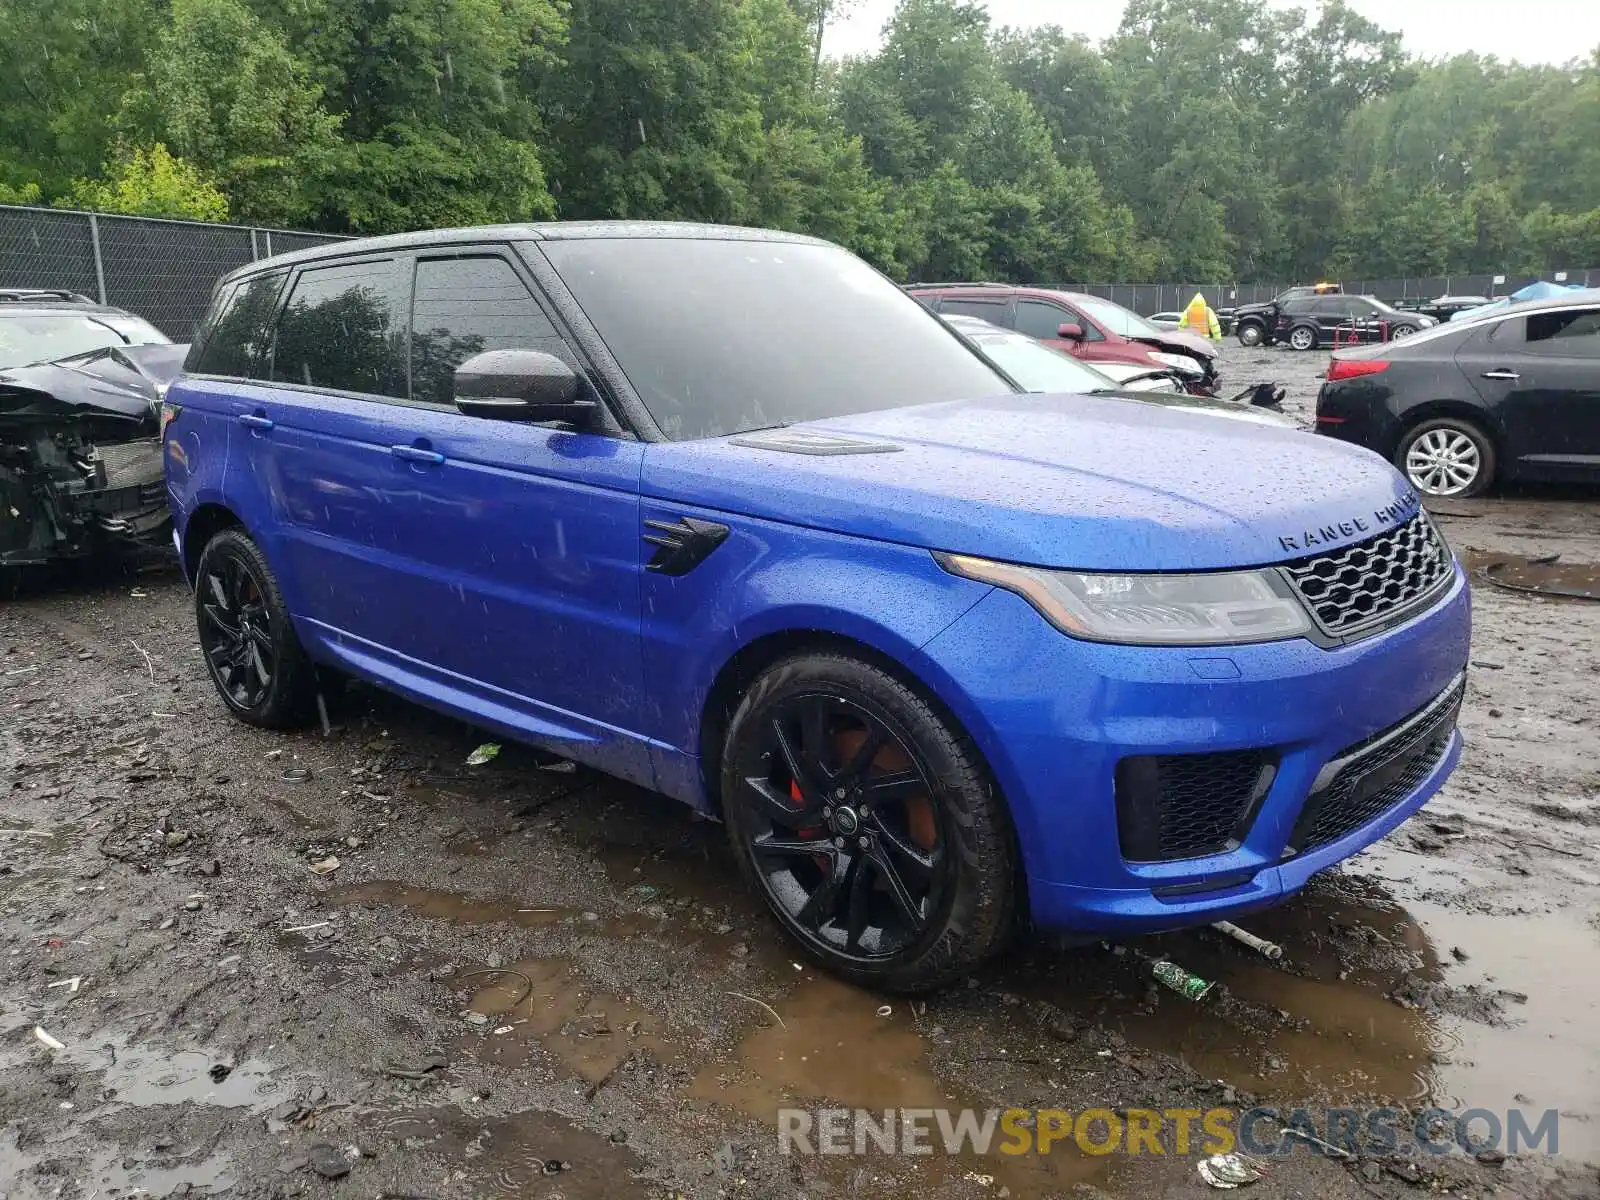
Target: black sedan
x,y
1511,394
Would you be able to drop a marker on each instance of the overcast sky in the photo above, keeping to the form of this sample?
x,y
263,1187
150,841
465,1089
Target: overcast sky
x,y
1530,30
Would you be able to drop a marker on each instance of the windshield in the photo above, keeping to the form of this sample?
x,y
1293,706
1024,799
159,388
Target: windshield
x,y
45,337
722,337
1116,318
1037,367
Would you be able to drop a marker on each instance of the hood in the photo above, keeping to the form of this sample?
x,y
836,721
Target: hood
x,y
1227,410
119,382
1263,307
1092,482
1180,342
1139,377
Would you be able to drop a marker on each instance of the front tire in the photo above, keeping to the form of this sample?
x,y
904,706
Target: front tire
x,y
1303,337
868,824
1447,457
250,647
1400,331
1251,334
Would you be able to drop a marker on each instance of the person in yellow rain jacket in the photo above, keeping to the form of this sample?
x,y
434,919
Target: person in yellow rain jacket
x,y
1199,318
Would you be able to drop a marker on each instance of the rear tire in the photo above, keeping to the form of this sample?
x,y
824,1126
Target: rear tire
x,y
868,824
251,650
1448,458
1252,333
1303,337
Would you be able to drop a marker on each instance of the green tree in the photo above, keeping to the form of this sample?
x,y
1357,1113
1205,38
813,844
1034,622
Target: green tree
x,y
439,125
151,183
64,66
227,95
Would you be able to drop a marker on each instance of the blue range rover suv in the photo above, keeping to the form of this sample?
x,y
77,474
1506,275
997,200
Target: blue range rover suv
x,y
727,514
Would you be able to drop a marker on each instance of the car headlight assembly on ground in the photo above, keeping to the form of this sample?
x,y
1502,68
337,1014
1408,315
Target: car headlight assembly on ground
x,y
1212,609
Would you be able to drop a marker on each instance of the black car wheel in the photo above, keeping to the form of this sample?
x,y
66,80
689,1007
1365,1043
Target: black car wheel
x,y
1447,457
1303,337
869,825
250,647
1252,333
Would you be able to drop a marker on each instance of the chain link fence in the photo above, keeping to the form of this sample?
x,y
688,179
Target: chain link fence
x,y
163,270
1147,299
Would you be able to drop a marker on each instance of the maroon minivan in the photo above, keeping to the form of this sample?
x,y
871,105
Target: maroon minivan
x,y
1086,327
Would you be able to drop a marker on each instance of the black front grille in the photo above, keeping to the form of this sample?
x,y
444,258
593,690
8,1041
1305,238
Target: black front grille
x,y
1173,806
1373,776
1363,585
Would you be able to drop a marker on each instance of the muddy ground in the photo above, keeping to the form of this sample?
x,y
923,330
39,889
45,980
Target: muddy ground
x,y
520,981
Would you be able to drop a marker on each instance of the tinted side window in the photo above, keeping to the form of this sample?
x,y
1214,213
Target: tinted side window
x,y
235,342
463,307
1040,320
1574,332
993,311
344,329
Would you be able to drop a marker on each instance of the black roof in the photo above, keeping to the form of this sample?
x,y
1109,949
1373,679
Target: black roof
x,y
535,231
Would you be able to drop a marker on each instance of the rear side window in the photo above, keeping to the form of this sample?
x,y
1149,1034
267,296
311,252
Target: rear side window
x,y
344,329
1040,320
463,307
235,341
1566,332
993,311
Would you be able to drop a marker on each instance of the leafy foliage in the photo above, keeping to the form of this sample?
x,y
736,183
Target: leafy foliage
x,y
1207,139
151,183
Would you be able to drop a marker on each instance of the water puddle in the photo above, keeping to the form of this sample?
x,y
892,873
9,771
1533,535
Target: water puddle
x,y
532,1154
1333,1031
1538,576
146,1076
24,841
111,1172
117,1176
832,1049
550,1001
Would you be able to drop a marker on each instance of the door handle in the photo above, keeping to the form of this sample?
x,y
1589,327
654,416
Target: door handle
x,y
256,420
1501,374
417,454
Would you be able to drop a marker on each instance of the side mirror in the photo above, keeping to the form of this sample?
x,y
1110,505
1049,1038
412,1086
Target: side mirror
x,y
520,385
1070,331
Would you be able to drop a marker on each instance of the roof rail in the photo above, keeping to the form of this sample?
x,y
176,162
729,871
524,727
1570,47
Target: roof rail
x,y
23,295
962,284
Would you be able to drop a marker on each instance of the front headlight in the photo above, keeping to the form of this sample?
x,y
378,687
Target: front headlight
x,y
1178,362
1162,610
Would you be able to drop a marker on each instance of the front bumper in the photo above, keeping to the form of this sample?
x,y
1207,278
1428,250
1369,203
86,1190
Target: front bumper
x,y
1055,716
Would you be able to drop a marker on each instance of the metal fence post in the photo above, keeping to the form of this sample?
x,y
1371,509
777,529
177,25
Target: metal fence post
x,y
255,250
99,266
267,233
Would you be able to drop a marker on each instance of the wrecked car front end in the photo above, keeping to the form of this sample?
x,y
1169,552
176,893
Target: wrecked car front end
x,y
80,455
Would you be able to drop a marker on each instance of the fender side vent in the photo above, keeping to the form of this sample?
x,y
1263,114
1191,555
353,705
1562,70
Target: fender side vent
x,y
800,441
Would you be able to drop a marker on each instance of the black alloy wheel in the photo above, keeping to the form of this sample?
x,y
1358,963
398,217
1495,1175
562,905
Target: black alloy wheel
x,y
839,802
234,633
251,651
